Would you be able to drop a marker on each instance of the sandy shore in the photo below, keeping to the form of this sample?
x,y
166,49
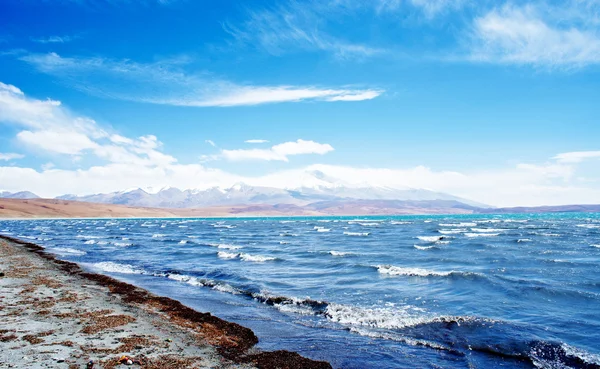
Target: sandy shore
x,y
55,315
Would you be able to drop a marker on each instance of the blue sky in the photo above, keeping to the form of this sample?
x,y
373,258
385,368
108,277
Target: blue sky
x,y
495,101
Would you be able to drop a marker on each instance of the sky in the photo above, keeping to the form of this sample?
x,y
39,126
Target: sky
x,y
496,101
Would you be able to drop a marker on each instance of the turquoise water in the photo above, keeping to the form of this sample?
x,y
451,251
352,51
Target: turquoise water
x,y
465,291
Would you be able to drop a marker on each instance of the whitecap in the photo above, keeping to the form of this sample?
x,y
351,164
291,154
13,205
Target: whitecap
x,y
255,258
524,240
323,229
357,234
183,242
110,267
412,272
90,242
487,230
399,222
481,234
424,247
122,244
67,251
158,235
339,253
430,238
225,246
227,255
452,231
595,245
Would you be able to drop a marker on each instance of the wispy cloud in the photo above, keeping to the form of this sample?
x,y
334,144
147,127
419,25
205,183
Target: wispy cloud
x,y
167,82
293,26
256,141
279,152
10,156
531,35
577,156
54,39
211,143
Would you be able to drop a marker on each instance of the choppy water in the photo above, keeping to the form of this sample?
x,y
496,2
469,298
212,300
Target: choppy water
x,y
512,291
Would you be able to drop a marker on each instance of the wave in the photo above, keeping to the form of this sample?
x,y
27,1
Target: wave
x,y
357,234
595,245
339,253
228,226
424,247
225,246
431,238
67,251
394,222
158,235
227,255
413,272
256,258
524,240
321,229
245,257
122,244
183,242
487,230
88,237
462,224
472,235
111,267
286,234
589,226
452,231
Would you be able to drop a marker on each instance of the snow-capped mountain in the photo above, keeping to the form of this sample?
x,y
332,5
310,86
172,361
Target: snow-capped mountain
x,y
244,194
18,195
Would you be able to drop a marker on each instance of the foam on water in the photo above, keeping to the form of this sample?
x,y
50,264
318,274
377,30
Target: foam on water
x,y
111,267
431,238
357,234
487,230
67,251
452,231
225,246
339,253
256,258
227,255
472,235
424,247
412,272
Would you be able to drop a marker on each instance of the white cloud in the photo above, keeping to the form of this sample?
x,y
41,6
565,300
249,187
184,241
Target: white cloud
x,y
576,156
527,35
62,142
54,129
166,82
278,152
256,141
10,156
211,143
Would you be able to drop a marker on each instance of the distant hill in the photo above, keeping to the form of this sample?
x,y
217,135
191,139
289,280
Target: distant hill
x,y
18,195
53,208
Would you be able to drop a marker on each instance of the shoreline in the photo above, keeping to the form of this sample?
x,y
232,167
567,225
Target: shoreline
x,y
38,290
